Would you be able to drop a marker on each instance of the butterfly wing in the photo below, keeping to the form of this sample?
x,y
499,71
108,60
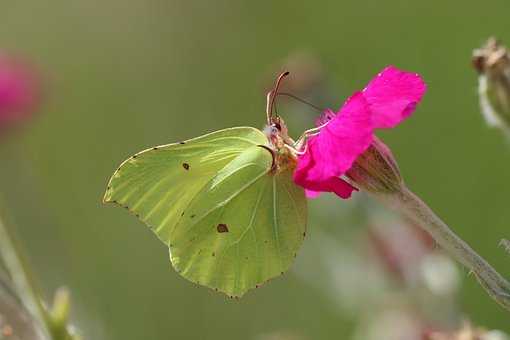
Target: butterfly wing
x,y
243,228
158,183
231,225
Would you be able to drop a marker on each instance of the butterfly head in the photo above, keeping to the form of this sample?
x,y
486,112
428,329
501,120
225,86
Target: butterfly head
x,y
277,133
277,129
280,145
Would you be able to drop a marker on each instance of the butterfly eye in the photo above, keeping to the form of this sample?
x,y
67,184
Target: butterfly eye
x,y
277,126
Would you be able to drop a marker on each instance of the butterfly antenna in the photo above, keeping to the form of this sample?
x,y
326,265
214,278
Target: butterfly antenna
x,y
271,96
313,106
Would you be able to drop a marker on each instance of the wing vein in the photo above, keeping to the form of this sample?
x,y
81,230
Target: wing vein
x,y
298,211
275,224
228,199
252,218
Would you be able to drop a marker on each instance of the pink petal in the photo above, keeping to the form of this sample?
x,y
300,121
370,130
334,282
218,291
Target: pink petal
x,y
385,102
312,194
334,184
332,152
393,95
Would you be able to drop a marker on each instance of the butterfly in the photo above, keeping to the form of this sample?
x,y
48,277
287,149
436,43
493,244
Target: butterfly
x,y
224,203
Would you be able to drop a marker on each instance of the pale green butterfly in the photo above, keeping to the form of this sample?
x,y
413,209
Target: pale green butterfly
x,y
224,203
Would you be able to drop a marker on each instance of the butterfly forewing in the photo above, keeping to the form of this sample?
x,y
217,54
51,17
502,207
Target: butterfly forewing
x,y
157,184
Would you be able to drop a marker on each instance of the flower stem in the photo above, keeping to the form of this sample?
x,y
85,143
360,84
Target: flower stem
x,y
411,206
23,283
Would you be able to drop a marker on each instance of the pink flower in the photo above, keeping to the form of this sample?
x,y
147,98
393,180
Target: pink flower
x,y
19,90
386,101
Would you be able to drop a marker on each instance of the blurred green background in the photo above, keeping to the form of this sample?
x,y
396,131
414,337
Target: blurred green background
x,y
125,75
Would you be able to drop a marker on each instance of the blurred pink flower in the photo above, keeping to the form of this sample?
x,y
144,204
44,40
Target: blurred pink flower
x,y
19,90
386,101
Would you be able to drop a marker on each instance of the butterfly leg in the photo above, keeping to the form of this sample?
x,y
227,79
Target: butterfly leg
x,y
295,150
307,134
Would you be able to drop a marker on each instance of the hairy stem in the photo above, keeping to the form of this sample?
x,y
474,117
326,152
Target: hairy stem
x,y
411,206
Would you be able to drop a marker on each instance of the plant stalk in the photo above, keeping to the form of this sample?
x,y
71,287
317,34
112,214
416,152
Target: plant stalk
x,y
21,278
411,206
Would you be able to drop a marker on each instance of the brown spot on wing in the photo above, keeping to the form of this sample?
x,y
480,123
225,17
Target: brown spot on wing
x,y
185,166
222,228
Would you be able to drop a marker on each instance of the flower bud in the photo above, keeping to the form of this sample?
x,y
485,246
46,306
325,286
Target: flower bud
x,y
492,61
376,170
58,316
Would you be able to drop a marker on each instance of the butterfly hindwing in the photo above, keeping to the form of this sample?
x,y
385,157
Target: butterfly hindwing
x,y
243,228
